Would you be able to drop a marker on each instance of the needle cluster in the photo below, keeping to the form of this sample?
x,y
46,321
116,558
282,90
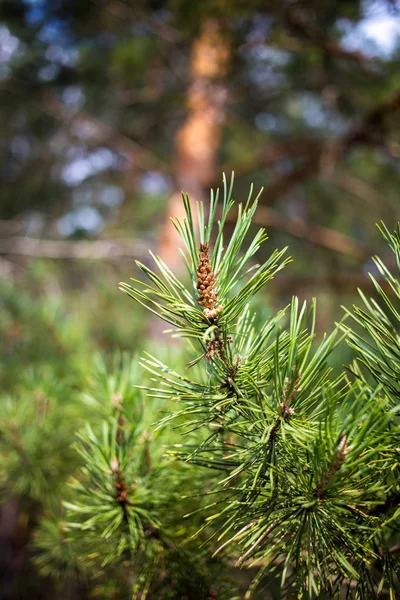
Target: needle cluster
x,y
304,455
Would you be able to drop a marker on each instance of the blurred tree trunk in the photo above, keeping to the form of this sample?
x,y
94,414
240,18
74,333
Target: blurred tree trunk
x,y
16,527
198,140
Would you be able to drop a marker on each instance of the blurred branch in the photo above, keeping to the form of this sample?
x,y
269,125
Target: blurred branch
x,y
339,284
66,249
137,13
105,134
315,234
115,249
392,148
11,226
358,188
122,249
84,124
280,149
328,47
298,25
324,155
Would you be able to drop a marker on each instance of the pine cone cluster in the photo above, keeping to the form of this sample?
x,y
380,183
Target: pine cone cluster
x,y
206,284
215,346
120,484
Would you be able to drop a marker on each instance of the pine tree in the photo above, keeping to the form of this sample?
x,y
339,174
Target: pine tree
x,y
264,457
119,530
307,460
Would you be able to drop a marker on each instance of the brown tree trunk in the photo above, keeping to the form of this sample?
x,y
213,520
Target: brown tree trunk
x,y
198,140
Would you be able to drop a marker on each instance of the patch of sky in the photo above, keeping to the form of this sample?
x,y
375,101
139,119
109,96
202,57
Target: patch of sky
x,y
20,146
260,28
8,44
312,111
377,34
80,168
110,196
266,53
73,97
35,11
265,76
273,123
67,57
48,72
84,218
103,195
265,65
154,183
10,49
34,223
55,32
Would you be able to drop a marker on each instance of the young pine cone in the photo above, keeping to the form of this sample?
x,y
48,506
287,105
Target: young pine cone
x,y
206,284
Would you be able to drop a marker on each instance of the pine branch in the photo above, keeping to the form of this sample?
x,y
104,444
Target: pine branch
x,y
305,462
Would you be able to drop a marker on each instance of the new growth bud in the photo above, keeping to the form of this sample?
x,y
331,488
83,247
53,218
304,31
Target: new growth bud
x,y
206,284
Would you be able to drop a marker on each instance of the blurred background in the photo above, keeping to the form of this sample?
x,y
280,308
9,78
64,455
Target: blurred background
x,y
109,108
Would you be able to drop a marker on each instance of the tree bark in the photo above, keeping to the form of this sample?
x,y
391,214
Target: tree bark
x,y
198,140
